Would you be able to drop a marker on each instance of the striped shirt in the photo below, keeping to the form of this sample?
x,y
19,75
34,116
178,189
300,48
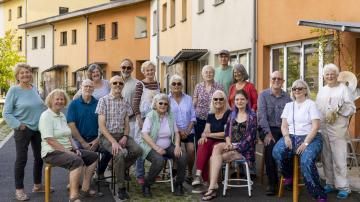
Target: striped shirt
x,y
115,110
139,91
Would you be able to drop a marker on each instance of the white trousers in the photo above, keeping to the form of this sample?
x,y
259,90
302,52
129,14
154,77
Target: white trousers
x,y
334,153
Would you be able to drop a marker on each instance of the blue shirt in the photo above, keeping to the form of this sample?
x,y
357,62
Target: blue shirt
x,y
23,106
184,111
84,116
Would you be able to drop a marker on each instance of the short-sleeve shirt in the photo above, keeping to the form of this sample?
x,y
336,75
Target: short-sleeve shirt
x,y
184,111
84,117
164,135
304,114
217,125
224,77
115,110
102,91
52,125
204,99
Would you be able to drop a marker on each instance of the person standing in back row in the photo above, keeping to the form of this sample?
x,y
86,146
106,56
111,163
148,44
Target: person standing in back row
x,y
224,73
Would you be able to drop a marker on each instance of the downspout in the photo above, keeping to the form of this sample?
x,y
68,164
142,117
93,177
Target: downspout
x,y
53,44
87,39
254,42
157,40
25,37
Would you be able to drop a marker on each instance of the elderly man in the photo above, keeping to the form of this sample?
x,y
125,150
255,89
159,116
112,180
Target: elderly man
x,y
128,92
270,106
224,73
113,118
83,123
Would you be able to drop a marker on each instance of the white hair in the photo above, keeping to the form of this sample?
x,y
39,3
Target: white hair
x,y
330,68
300,83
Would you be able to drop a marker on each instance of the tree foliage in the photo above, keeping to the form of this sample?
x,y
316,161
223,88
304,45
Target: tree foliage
x,y
9,57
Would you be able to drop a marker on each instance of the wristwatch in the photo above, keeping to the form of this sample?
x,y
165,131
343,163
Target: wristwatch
x,y
306,144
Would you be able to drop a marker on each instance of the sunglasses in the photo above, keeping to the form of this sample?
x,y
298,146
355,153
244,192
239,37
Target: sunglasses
x,y
163,103
118,83
298,88
218,99
276,79
126,67
176,83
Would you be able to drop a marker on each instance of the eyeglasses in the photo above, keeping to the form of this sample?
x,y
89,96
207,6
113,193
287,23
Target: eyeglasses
x,y
126,67
163,103
276,79
298,88
117,83
218,99
88,86
176,83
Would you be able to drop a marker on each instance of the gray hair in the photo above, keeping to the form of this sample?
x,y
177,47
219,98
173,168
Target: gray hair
x,y
206,67
146,65
239,67
176,77
226,106
53,93
300,83
157,98
330,67
92,68
20,66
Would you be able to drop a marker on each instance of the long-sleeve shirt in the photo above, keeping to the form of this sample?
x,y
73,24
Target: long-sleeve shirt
x,y
139,91
251,92
270,108
23,106
184,111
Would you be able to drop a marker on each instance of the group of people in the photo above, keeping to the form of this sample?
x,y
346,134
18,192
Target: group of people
x,y
131,121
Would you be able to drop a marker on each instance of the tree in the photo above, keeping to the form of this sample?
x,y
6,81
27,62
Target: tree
x,y
8,59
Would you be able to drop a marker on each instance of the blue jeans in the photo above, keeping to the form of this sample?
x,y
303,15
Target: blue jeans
x,y
140,168
283,157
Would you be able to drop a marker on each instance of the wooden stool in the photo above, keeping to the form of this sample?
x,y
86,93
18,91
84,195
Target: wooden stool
x,y
296,184
47,182
262,166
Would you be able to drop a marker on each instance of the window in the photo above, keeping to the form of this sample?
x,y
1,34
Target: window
x,y
155,22
200,6
183,10
243,57
20,43
42,41
140,27
9,15
34,42
114,73
172,13
19,12
301,60
63,10
218,2
164,11
73,36
100,32
63,38
114,30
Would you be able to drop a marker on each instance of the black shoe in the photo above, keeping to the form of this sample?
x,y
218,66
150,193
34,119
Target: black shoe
x,y
253,177
270,190
179,190
146,191
122,194
127,177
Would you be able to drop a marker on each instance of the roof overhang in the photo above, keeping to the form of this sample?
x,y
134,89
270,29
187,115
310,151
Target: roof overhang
x,y
55,67
183,55
78,13
335,25
84,68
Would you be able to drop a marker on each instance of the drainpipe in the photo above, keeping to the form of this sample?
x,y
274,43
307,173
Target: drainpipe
x,y
25,37
53,44
157,39
254,42
87,39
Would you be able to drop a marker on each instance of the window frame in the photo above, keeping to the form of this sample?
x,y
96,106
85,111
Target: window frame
x,y
172,13
114,30
201,7
19,12
42,45
183,10
100,36
9,15
63,38
164,17
34,42
73,36
20,38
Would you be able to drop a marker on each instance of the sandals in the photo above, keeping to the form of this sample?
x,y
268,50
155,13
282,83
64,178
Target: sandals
x,y
90,194
41,189
21,196
342,194
209,195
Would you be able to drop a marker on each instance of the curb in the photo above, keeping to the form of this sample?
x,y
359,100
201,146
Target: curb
x,y
4,141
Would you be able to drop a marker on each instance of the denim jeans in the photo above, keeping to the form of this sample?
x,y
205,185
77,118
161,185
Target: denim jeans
x,y
283,156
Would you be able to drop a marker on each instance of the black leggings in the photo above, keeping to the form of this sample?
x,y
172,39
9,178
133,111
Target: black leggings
x,y
22,140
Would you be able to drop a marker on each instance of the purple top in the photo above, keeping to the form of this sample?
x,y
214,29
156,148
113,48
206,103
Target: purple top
x,y
202,107
184,111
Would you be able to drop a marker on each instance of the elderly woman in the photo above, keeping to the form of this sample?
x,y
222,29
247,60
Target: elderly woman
x,y
184,112
101,86
336,105
202,98
212,135
144,94
300,125
240,135
22,110
57,148
240,76
161,139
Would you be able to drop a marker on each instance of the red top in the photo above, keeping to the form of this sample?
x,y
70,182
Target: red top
x,y
250,90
